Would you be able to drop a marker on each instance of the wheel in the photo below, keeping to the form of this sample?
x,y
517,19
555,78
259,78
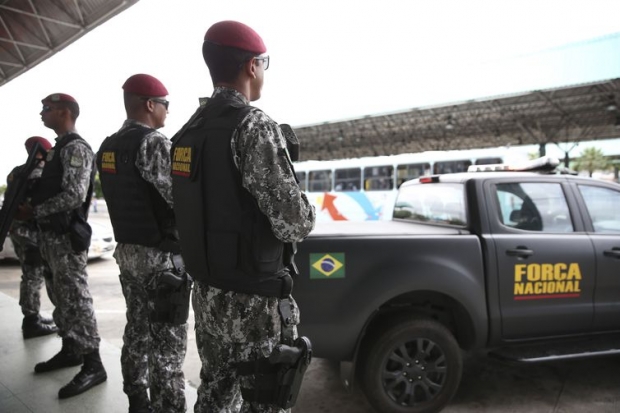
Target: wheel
x,y
410,366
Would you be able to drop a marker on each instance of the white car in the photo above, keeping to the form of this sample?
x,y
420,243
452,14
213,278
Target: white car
x,y
101,243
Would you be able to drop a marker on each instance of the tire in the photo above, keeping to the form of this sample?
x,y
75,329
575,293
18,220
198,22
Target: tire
x,y
410,366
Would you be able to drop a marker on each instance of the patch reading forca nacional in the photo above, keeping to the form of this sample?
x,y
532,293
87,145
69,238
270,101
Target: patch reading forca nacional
x,y
108,162
323,266
182,161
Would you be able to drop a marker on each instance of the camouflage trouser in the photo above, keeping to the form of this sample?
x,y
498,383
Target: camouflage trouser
x,y
153,353
74,313
35,272
231,328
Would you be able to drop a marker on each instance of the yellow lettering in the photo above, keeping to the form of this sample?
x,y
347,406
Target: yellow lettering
x,y
574,273
519,287
519,272
528,289
559,271
533,272
183,154
546,272
538,288
107,157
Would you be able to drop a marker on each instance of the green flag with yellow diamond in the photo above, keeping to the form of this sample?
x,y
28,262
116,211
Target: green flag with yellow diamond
x,y
323,266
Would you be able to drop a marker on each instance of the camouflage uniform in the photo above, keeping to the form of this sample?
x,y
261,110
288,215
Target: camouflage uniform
x,y
230,326
153,353
35,271
74,313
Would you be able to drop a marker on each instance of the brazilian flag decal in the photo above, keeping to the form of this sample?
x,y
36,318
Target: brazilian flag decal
x,y
327,265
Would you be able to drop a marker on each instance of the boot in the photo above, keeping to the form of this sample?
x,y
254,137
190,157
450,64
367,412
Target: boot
x,y
92,374
66,357
140,403
33,327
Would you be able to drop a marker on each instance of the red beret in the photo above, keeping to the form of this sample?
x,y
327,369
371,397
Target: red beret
x,y
45,144
234,34
59,97
145,85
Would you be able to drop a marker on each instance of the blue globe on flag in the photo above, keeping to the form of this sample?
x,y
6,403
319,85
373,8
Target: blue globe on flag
x,y
328,265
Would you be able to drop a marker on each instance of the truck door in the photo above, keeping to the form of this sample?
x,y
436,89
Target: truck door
x,y
545,260
601,206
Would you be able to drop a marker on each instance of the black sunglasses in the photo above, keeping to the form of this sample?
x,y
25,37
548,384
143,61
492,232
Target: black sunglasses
x,y
47,108
162,101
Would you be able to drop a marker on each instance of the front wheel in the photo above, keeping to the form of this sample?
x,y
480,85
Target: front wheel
x,y
410,366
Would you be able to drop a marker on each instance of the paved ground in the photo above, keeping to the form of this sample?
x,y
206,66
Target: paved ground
x,y
487,386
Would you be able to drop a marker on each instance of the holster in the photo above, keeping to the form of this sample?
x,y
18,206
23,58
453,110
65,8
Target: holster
x,y
278,378
170,295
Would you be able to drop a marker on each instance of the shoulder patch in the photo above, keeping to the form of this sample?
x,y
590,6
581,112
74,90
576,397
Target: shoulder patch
x,y
75,161
182,161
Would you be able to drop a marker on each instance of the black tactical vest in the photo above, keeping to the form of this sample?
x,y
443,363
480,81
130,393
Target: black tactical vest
x,y
139,214
50,183
227,241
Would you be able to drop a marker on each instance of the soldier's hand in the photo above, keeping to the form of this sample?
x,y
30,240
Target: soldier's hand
x,y
24,212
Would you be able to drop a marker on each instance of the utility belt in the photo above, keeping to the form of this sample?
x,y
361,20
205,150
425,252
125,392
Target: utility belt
x,y
72,223
170,294
278,378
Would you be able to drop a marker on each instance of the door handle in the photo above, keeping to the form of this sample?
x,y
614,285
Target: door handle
x,y
521,252
613,253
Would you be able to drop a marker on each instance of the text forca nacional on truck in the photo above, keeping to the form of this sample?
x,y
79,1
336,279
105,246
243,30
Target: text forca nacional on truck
x,y
514,263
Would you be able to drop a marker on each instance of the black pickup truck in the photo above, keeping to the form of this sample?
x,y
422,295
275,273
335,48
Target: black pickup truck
x,y
524,265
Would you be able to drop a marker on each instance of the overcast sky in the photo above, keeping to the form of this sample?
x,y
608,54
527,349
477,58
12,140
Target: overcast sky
x,y
330,60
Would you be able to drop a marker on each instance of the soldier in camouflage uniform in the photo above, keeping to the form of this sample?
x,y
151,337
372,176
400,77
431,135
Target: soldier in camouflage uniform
x,y
139,198
35,271
237,204
60,207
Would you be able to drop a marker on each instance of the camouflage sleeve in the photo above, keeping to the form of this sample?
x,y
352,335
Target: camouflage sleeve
x,y
77,163
153,162
262,159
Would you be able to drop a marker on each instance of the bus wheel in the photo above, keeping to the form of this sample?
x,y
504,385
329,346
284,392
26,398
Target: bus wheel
x,y
411,366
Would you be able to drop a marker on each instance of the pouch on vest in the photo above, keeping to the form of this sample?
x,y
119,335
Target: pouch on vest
x,y
80,233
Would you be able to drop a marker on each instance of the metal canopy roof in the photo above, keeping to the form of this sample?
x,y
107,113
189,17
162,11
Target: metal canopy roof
x,y
33,30
569,114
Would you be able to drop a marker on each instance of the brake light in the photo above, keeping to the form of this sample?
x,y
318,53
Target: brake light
x,y
429,179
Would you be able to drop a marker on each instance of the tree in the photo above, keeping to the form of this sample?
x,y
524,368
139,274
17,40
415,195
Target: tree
x,y
591,159
2,189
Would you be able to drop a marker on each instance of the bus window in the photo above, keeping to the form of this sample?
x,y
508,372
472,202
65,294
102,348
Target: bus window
x,y
488,161
301,177
348,179
448,167
412,171
379,178
320,181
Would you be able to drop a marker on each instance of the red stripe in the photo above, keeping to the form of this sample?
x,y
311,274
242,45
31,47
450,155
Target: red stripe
x,y
543,297
185,174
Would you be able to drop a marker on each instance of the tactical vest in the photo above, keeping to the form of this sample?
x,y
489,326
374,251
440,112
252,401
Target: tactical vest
x,y
227,241
139,214
50,183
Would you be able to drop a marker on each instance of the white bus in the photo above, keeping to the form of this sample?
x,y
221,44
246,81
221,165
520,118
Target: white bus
x,y
364,189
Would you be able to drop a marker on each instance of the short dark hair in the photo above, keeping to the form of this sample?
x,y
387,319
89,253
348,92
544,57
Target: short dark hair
x,y
224,62
73,107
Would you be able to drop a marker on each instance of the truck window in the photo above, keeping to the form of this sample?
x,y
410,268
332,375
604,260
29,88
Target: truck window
x,y
534,207
602,204
439,203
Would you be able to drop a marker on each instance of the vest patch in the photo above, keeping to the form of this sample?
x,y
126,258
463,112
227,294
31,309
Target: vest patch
x,y
108,162
182,161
